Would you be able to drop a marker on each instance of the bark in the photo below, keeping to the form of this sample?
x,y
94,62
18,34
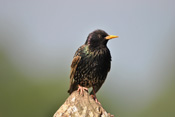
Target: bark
x,y
81,105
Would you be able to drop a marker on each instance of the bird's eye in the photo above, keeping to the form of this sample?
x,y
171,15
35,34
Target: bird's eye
x,y
104,36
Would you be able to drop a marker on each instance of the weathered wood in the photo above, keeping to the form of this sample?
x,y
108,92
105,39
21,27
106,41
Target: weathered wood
x,y
78,105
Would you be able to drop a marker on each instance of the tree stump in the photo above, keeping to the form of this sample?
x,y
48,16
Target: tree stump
x,y
78,105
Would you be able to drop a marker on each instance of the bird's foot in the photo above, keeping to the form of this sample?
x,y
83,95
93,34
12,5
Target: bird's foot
x,y
81,89
95,98
110,115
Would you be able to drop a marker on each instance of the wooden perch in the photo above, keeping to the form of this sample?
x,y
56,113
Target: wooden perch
x,y
78,105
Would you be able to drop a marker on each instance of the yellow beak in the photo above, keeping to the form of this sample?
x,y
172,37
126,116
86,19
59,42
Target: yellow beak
x,y
111,37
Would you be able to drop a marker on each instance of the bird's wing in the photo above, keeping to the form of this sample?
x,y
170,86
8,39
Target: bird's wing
x,y
75,62
73,85
74,65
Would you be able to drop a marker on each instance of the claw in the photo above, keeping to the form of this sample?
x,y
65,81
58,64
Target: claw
x,y
81,89
95,98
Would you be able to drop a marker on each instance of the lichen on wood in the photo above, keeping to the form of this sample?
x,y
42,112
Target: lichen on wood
x,y
81,105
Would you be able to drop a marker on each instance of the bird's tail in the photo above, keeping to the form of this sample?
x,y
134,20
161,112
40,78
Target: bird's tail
x,y
73,87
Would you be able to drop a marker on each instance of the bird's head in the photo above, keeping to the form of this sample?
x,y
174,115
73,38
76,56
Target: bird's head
x,y
98,38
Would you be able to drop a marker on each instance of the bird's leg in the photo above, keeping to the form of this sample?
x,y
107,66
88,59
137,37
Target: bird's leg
x,y
81,89
94,95
95,98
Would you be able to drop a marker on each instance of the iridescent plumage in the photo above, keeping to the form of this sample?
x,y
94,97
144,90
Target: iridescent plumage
x,y
91,63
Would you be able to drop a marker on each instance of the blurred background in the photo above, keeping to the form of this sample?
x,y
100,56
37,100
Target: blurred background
x,y
39,38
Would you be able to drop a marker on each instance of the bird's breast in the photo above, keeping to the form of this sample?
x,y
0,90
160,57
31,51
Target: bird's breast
x,y
93,67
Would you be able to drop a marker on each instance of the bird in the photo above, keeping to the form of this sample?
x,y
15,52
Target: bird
x,y
91,63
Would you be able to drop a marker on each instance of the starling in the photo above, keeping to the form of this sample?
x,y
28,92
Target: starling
x,y
91,63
